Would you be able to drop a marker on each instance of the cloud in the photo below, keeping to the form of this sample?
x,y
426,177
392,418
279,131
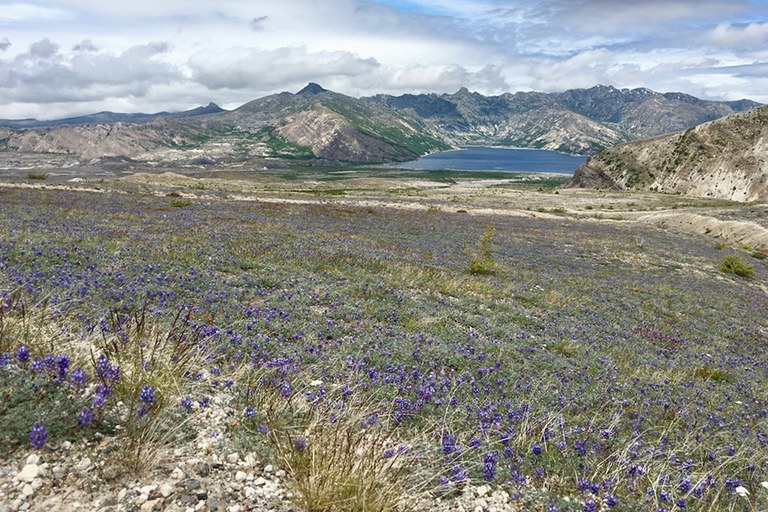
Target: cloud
x,y
44,74
257,24
4,44
752,35
243,68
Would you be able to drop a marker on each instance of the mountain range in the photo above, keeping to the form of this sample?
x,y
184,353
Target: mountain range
x,y
319,127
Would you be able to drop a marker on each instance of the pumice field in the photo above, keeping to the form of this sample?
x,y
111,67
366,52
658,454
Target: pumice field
x,y
367,340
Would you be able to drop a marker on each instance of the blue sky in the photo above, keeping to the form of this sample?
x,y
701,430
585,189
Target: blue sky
x,y
69,57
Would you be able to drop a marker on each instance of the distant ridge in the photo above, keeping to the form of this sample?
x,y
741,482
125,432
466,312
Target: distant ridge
x,y
321,127
109,117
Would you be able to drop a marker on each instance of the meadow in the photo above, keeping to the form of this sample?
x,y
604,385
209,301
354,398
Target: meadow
x,y
576,364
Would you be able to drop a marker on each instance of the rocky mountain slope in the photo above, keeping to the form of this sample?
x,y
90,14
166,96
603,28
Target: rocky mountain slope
x,y
726,158
322,127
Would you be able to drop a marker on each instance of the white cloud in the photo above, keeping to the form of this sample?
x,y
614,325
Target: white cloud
x,y
92,55
752,35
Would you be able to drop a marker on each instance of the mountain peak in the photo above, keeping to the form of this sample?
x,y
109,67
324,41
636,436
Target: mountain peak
x,y
312,88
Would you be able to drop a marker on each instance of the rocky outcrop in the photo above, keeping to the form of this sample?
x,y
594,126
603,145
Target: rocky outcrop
x,y
726,159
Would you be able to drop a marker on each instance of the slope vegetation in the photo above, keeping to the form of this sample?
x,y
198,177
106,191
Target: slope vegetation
x,y
724,159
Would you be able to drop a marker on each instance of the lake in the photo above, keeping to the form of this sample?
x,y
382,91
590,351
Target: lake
x,y
482,158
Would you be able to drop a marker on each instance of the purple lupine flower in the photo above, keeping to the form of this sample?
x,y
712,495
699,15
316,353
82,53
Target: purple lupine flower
x,y
489,466
22,354
681,503
186,403
85,417
552,507
37,435
389,453
78,377
474,443
147,394
611,501
37,365
590,506
458,473
449,443
299,444
141,412
685,484
62,362
536,449
249,412
5,359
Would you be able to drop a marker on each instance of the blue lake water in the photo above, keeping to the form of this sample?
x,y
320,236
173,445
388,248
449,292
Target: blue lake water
x,y
481,158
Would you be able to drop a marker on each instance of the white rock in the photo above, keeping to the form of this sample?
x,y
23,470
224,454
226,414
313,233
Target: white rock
x,y
66,445
241,476
280,473
764,484
121,495
268,468
33,459
29,473
27,490
260,481
177,474
742,491
232,458
482,490
233,508
84,465
166,490
148,506
148,489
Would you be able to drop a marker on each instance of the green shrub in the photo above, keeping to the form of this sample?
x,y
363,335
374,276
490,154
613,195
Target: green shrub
x,y
733,264
481,261
37,176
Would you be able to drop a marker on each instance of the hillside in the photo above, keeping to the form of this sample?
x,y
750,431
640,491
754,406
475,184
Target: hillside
x,y
319,127
726,159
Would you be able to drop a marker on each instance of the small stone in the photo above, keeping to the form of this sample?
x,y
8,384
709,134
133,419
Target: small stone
x,y
188,499
192,484
59,472
280,473
66,446
84,465
233,508
29,473
241,476
202,469
482,490
33,459
149,506
268,468
232,458
27,490
166,490
148,490
260,481
177,474
121,495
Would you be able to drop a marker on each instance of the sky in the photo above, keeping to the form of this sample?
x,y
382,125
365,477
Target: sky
x,y
61,58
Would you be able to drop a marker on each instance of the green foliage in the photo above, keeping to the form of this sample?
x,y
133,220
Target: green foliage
x,y
180,203
481,261
37,176
23,397
733,264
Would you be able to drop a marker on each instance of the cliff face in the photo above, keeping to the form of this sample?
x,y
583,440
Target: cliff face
x,y
726,159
